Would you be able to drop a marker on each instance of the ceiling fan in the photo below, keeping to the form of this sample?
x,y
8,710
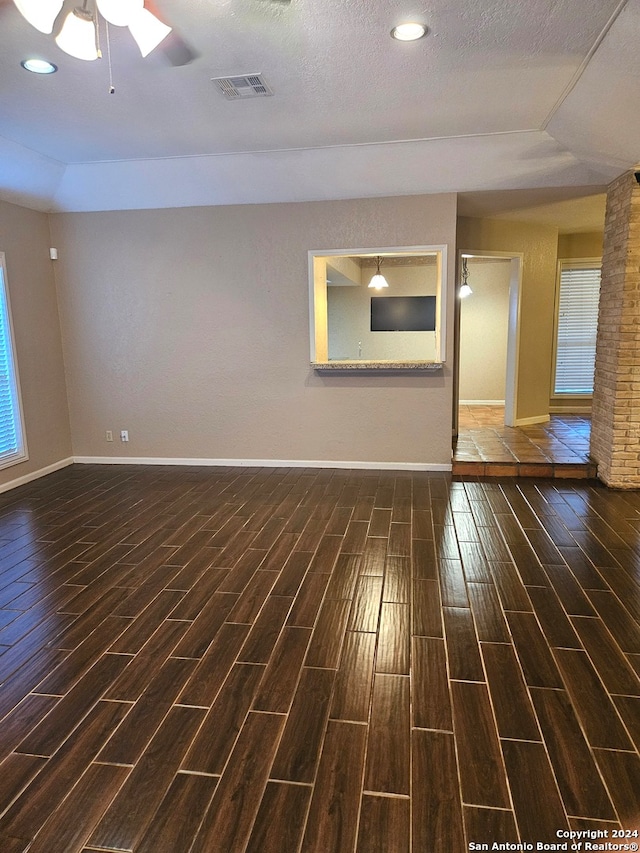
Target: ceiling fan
x,y
75,25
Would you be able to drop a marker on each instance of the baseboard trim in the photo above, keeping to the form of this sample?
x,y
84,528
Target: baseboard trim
x,y
263,463
481,402
538,419
35,475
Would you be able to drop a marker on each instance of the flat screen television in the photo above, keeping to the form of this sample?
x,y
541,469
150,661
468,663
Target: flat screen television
x,y
403,313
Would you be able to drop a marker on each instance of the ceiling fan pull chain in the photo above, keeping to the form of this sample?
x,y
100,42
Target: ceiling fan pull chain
x,y
94,15
112,88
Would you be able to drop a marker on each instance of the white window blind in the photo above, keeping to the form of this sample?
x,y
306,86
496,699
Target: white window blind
x,y
12,446
577,327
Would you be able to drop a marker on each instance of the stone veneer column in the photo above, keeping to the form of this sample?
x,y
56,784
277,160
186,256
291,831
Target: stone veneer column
x,y
615,427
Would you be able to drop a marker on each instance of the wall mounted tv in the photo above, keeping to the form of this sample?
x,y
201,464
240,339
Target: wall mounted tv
x,y
403,313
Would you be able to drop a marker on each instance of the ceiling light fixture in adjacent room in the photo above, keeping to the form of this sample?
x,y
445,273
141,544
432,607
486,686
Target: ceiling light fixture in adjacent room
x,y
77,32
409,31
378,281
465,288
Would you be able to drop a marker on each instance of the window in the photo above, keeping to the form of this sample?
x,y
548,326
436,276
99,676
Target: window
x,y
12,444
578,296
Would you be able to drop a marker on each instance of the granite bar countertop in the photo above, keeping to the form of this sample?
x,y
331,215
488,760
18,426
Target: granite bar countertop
x,y
375,366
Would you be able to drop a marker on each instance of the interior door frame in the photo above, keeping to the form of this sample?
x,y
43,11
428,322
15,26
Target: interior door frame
x,y
513,333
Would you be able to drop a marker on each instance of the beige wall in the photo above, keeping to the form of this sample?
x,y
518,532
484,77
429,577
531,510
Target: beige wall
x,y
190,328
25,240
587,245
349,317
484,324
539,244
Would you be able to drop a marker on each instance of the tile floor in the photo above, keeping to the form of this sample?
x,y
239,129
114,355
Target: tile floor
x,y
485,446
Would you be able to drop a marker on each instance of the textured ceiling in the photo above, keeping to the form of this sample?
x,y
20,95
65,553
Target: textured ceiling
x,y
501,95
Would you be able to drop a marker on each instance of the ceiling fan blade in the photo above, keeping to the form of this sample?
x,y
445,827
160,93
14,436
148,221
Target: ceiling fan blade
x,y
173,49
176,51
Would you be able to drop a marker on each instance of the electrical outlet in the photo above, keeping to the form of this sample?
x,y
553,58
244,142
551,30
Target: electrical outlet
x,y
109,435
124,435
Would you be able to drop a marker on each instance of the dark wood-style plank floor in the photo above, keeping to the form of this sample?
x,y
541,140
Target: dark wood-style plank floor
x,y
315,661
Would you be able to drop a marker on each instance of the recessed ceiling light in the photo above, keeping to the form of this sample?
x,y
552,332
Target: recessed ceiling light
x,y
39,66
411,31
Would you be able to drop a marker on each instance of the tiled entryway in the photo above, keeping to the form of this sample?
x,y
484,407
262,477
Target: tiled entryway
x,y
486,447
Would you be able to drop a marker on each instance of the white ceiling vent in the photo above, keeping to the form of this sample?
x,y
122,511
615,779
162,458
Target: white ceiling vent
x,y
244,86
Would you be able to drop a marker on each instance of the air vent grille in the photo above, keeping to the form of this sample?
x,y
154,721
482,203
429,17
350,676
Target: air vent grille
x,y
243,86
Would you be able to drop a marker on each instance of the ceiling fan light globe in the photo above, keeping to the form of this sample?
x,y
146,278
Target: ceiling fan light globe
x,y
41,14
78,36
119,12
147,30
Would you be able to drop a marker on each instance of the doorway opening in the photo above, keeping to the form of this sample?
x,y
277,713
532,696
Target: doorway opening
x,y
489,439
487,334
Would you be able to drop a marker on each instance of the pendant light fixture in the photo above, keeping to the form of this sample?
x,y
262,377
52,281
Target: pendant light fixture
x,y
77,31
378,282
465,288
